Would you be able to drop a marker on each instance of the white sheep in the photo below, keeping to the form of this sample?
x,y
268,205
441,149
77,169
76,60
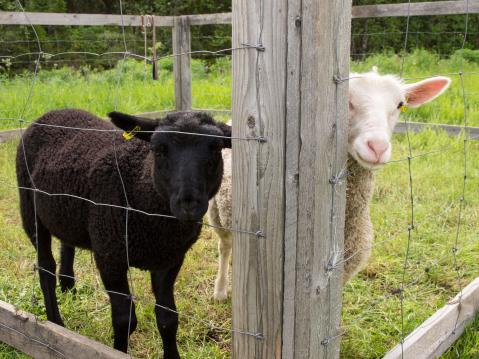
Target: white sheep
x,y
375,103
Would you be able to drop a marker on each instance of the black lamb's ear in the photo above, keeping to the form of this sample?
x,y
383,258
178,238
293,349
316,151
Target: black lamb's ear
x,y
226,132
131,124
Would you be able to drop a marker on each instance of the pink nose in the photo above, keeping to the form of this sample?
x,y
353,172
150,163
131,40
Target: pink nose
x,y
378,147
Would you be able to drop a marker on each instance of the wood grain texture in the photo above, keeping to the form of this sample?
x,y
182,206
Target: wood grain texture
x,y
45,340
258,176
63,19
210,19
433,337
414,127
417,9
365,11
182,63
293,125
451,130
322,154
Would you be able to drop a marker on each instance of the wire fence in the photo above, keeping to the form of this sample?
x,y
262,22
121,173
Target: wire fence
x,y
37,56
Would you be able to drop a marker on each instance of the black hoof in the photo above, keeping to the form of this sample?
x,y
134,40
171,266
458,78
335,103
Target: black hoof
x,y
67,284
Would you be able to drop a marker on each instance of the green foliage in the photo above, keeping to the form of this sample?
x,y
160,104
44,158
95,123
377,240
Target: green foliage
x,y
441,34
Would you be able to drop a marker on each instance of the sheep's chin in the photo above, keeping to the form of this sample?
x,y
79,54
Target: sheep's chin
x,y
366,164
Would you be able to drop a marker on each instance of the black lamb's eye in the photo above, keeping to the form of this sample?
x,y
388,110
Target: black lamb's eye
x,y
401,104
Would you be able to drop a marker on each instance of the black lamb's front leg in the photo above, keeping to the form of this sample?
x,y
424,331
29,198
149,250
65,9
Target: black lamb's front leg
x,y
115,280
67,277
167,319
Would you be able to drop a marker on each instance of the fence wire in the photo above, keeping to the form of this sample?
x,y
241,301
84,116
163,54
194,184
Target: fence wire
x,y
124,55
336,260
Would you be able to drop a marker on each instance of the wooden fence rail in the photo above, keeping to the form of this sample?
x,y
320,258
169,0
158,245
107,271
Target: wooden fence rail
x,y
46,340
365,11
401,128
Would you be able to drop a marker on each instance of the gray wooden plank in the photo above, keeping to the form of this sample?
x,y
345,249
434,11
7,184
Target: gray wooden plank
x,y
210,19
182,63
63,19
324,113
364,11
9,135
415,127
417,9
46,340
433,337
293,114
258,176
451,130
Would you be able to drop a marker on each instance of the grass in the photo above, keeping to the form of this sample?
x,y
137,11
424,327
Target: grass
x,y
372,311
466,346
101,92
371,306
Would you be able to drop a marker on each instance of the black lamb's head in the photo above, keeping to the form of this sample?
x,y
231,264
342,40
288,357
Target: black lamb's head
x,y
188,166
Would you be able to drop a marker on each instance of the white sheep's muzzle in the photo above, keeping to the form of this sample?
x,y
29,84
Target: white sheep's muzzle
x,y
371,150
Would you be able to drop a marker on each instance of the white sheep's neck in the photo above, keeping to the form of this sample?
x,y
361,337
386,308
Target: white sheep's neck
x,y
358,232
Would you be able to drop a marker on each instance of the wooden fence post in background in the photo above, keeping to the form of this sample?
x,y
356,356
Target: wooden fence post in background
x,y
182,63
287,88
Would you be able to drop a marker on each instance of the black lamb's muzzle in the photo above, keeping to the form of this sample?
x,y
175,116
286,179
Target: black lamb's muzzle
x,y
187,208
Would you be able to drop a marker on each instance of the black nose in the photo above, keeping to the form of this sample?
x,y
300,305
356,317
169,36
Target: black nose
x,y
189,204
190,208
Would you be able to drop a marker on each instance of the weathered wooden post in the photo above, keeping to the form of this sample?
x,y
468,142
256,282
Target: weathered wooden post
x,y
288,88
182,62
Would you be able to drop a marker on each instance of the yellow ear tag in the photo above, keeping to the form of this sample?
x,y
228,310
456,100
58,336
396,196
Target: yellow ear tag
x,y
403,108
130,134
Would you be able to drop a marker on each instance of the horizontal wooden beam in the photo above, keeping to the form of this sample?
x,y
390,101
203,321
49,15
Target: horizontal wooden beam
x,y
451,130
364,11
45,340
210,19
415,127
60,19
417,9
9,135
433,337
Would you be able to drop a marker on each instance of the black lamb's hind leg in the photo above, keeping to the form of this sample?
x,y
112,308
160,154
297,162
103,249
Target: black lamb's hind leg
x,y
67,276
46,271
42,241
167,319
115,280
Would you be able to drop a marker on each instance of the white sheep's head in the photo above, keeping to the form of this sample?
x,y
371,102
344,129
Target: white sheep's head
x,y
375,103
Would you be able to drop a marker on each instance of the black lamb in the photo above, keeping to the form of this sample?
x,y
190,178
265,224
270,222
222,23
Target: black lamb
x,y
169,173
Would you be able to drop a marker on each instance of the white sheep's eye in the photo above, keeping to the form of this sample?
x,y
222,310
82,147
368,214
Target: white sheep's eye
x,y
401,104
351,106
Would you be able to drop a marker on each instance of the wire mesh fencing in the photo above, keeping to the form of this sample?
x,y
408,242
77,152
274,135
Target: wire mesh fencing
x,y
402,291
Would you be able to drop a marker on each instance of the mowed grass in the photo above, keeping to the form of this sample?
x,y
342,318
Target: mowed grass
x,y
371,305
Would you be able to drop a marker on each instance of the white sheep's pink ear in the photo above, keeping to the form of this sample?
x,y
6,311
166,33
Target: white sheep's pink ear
x,y
426,90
